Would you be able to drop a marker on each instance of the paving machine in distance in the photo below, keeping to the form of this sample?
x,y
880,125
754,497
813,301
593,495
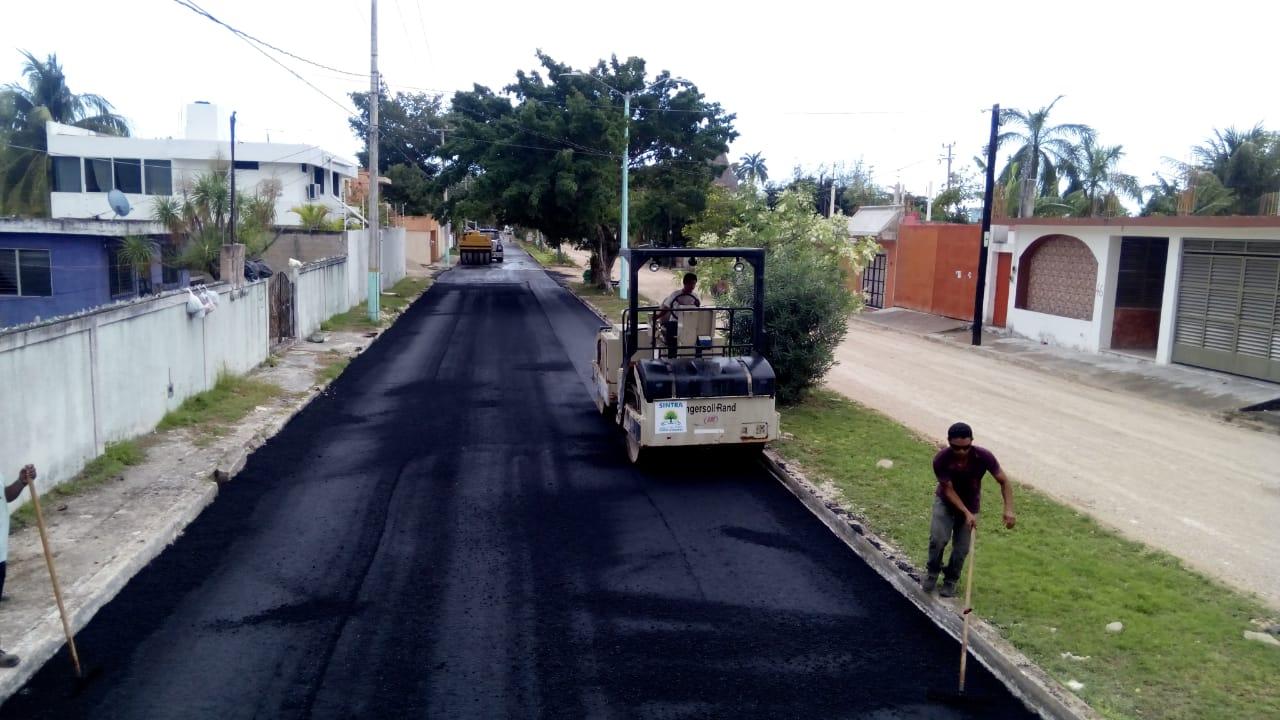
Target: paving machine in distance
x,y
475,248
692,376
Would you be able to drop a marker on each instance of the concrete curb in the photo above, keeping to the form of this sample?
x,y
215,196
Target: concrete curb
x,y
557,280
1027,681
106,584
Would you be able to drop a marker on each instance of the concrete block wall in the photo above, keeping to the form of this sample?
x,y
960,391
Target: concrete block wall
x,y
393,262
71,387
320,292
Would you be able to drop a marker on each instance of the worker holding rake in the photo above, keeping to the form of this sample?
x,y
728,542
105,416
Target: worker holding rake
x,y
960,468
11,492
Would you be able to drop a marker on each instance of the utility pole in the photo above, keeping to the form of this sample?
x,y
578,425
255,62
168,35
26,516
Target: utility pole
x,y
831,206
375,227
949,146
986,226
625,276
233,181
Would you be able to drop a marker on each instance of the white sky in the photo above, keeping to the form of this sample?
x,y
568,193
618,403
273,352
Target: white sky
x,y
1156,77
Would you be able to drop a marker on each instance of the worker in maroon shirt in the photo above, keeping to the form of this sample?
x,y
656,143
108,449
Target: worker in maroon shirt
x,y
959,468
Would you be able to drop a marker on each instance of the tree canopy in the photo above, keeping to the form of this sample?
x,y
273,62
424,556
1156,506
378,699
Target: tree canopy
x,y
25,108
545,153
409,134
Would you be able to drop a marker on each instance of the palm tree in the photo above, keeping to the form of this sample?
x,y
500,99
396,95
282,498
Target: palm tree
x,y
1041,149
199,221
1094,184
1201,194
313,215
1246,162
24,110
751,168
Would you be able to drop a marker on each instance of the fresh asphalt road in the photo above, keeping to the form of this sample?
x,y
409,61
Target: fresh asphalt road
x,y
452,531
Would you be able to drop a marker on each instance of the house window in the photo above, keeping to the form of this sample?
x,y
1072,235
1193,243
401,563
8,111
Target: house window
x,y
246,164
159,176
317,177
120,280
128,175
66,174
25,273
1140,282
337,185
97,175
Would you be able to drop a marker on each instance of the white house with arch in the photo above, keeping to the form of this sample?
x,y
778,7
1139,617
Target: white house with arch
x,y
87,165
1202,291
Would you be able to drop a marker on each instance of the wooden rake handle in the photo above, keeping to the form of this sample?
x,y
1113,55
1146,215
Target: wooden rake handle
x,y
968,607
53,576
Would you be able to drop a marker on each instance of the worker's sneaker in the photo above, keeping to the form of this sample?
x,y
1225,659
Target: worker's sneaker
x,y
8,660
948,589
929,583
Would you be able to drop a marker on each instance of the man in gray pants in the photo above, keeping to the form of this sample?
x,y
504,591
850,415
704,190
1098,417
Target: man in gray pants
x,y
959,469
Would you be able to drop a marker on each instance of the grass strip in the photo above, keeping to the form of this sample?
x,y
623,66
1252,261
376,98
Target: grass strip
x,y
107,466
1053,583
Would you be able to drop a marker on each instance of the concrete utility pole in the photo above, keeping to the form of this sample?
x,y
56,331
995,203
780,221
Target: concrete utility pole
x,y
949,147
831,207
986,226
375,226
233,182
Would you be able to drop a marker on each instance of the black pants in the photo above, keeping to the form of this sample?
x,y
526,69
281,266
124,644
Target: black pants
x,y
2,570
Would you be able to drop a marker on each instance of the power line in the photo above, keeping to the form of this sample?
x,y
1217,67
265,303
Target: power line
x,y
193,7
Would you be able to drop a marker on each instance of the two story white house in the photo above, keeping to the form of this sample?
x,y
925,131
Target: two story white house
x,y
87,165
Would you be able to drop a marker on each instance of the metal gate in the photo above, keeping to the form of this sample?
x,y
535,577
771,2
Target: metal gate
x,y
1229,307
873,281
280,294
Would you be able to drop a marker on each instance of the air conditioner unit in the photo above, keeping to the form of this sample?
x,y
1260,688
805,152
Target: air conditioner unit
x,y
314,191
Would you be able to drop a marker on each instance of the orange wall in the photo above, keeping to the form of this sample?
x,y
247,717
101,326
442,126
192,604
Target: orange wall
x,y
937,268
423,223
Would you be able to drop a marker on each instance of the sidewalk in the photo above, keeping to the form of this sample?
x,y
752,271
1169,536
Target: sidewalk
x,y
1143,448
105,536
653,285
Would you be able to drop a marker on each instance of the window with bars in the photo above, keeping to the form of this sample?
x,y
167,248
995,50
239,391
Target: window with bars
x,y
25,273
120,276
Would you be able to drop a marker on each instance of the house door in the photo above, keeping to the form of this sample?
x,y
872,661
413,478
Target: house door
x,y
280,304
1000,305
1226,313
873,281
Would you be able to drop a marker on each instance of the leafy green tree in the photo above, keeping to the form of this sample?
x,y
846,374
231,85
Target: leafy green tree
x,y
409,134
1201,194
1246,162
24,109
1041,148
199,220
809,262
752,169
1095,185
312,215
546,154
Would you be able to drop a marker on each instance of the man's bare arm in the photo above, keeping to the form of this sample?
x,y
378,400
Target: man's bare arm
x,y
1006,491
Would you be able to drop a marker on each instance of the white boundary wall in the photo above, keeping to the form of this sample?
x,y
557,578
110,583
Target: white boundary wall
x,y
320,292
70,387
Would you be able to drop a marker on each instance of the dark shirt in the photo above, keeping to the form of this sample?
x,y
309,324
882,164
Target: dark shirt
x,y
967,480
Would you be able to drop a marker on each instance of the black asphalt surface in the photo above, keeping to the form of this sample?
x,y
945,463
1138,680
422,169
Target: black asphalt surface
x,y
452,531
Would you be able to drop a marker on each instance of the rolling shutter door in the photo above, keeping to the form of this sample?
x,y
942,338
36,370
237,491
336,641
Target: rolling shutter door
x,y
1228,309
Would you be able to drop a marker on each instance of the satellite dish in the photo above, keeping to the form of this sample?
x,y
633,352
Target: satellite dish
x,y
118,202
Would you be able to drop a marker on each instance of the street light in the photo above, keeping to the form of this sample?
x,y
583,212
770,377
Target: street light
x,y
626,152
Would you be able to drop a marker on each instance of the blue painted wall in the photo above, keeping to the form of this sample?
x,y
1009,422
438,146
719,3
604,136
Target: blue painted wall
x,y
78,265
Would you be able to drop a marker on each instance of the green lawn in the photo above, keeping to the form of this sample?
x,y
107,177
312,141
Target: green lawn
x,y
357,318
106,466
606,302
1052,584
545,256
331,366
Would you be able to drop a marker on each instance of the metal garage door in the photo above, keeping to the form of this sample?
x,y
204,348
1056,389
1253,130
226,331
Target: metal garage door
x,y
1229,307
